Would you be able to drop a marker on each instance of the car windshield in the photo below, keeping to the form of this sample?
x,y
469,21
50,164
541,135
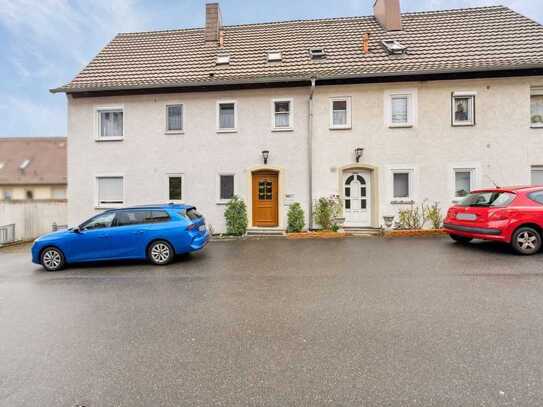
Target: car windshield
x,y
488,199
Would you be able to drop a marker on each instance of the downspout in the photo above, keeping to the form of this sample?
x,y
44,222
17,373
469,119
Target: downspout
x,y
310,152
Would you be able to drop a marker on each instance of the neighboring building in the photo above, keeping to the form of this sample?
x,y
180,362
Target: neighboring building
x,y
382,110
32,168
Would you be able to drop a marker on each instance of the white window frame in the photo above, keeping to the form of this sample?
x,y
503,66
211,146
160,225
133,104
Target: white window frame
x,y
290,116
175,175
411,170
218,108
348,124
97,122
535,91
99,205
227,173
412,107
475,177
167,131
472,107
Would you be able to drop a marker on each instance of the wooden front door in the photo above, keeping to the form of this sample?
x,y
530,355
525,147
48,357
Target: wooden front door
x,y
265,199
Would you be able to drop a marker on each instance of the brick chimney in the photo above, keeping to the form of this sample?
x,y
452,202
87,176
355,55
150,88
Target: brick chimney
x,y
387,12
213,22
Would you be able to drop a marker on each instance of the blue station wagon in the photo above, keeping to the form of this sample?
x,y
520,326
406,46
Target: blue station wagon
x,y
154,232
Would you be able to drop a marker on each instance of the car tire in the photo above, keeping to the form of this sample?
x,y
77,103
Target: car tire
x,y
461,239
160,253
52,259
526,240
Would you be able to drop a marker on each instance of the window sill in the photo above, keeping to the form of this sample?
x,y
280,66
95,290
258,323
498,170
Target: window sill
x,y
109,139
402,202
108,206
463,124
400,126
168,132
281,129
536,126
341,128
222,203
227,131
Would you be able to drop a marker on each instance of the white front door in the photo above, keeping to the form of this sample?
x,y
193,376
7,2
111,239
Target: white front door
x,y
357,198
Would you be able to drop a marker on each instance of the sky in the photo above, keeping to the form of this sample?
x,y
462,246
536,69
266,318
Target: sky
x,y
45,43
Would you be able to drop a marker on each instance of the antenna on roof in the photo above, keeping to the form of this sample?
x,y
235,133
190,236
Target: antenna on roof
x,y
492,182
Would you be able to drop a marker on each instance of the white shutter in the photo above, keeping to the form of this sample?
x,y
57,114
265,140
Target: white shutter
x,y
110,190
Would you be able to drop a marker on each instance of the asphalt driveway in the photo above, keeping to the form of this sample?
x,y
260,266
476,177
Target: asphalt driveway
x,y
356,322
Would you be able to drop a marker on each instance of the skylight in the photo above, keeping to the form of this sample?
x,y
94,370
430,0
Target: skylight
x,y
394,46
274,56
317,53
24,164
223,59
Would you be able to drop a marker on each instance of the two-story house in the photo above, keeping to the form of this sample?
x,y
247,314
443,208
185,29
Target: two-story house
x,y
382,110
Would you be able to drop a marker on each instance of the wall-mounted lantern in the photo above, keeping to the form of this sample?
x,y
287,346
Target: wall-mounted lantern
x,y
358,151
265,155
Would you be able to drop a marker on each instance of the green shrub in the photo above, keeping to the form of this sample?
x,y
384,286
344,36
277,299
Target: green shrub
x,y
236,217
326,210
411,218
295,217
433,215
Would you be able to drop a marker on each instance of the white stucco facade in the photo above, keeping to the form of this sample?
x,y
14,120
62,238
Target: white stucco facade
x,y
501,147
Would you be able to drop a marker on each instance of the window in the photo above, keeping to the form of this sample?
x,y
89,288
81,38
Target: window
x,y
400,108
282,114
8,194
226,187
537,175
226,116
175,187
110,124
317,53
463,182
394,46
59,193
400,185
223,60
536,107
29,194
110,191
488,199
536,196
139,217
156,216
174,118
274,56
463,109
104,220
340,113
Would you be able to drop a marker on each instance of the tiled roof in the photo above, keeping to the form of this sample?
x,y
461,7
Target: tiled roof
x,y
483,38
45,160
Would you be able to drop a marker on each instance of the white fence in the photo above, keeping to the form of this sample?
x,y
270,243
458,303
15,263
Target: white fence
x,y
32,218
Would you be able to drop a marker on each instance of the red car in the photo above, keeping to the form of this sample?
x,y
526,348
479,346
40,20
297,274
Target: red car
x,y
510,215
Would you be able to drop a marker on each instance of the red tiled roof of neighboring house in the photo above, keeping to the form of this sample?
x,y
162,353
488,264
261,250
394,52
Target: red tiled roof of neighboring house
x,y
33,161
475,39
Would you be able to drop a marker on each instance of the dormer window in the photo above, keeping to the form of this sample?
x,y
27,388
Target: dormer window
x,y
274,56
394,47
317,53
223,59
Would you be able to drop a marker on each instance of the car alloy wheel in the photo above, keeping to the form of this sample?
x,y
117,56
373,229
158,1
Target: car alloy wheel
x,y
52,259
527,241
160,253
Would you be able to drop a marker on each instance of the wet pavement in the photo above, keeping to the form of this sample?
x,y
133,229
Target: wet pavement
x,y
356,322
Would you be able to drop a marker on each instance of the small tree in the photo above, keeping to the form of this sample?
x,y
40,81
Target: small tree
x,y
434,215
295,217
236,217
326,211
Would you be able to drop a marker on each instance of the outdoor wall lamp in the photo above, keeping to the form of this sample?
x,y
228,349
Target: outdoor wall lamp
x,y
265,155
358,151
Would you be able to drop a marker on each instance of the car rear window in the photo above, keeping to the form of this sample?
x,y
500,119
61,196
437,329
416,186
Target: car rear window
x,y
192,214
488,199
157,217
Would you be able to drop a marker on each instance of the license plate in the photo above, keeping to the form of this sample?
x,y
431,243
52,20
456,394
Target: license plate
x,y
466,216
202,228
